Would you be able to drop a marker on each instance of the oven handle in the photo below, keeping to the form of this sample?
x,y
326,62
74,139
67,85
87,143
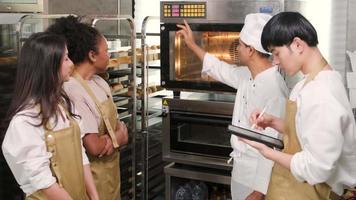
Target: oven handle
x,y
228,117
200,118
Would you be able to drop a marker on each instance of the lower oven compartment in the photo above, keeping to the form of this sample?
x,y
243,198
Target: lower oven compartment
x,y
198,134
195,132
185,182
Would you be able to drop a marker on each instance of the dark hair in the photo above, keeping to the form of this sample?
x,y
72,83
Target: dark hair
x,y
81,38
39,81
282,28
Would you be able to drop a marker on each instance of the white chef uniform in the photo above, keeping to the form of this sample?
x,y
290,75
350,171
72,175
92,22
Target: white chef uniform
x,y
326,131
25,151
250,169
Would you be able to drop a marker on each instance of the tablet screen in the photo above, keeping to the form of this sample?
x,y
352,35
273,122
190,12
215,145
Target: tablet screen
x,y
255,136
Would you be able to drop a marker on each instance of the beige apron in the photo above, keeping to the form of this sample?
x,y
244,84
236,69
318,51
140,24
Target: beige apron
x,y
283,185
105,170
66,161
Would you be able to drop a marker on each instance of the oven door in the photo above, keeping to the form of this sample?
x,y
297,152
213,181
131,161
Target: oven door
x,y
197,139
181,68
194,133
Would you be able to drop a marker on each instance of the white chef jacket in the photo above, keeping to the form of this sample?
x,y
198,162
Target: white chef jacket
x,y
84,104
250,168
326,131
25,151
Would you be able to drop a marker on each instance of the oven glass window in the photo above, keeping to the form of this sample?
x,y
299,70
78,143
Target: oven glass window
x,y
200,134
181,68
203,134
186,66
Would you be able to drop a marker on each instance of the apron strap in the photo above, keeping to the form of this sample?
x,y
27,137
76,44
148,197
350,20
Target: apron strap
x,y
100,109
315,72
51,145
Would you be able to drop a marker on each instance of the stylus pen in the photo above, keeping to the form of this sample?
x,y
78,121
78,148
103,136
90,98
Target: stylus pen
x,y
259,116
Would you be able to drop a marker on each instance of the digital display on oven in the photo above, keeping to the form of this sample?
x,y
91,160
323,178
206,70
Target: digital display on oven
x,y
184,10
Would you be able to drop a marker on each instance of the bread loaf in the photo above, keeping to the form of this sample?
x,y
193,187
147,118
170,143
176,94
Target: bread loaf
x,y
104,75
116,87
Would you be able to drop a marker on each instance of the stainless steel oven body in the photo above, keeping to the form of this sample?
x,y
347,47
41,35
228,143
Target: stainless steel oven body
x,y
216,26
195,130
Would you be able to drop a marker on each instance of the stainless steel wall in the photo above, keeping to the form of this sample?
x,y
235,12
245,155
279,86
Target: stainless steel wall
x,y
82,7
351,30
351,24
330,18
85,7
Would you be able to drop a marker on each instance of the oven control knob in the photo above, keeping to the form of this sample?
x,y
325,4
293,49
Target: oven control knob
x,y
165,110
164,114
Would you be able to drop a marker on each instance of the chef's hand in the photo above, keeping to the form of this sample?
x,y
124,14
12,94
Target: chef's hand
x,y
261,122
263,149
187,34
255,195
121,133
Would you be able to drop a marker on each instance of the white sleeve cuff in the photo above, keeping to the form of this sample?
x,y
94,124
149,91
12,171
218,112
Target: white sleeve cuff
x,y
42,180
294,167
84,154
85,158
208,62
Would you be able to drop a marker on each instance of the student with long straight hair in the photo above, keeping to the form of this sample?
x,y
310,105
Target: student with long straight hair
x,y
319,158
42,145
91,95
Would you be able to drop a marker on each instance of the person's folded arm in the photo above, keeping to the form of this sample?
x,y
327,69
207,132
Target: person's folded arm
x,y
94,144
121,133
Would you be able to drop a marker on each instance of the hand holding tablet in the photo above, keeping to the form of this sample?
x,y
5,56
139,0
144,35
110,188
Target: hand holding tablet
x,y
255,136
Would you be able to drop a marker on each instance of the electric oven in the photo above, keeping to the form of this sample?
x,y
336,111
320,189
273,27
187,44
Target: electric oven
x,y
216,27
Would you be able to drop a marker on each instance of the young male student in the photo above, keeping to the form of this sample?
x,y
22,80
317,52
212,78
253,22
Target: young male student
x,y
319,158
258,85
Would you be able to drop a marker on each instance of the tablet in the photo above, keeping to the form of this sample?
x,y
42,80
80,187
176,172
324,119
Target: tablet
x,y
255,136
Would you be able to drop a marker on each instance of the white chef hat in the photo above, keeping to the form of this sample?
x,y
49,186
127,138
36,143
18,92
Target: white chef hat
x,y
252,30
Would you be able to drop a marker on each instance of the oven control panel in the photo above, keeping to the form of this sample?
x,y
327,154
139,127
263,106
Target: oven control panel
x,y
183,9
215,11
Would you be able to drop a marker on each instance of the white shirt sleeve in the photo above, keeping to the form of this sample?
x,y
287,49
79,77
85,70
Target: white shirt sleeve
x,y
223,72
25,151
319,120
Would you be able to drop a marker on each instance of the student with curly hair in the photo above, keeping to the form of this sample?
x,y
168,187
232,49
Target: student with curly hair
x,y
92,97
